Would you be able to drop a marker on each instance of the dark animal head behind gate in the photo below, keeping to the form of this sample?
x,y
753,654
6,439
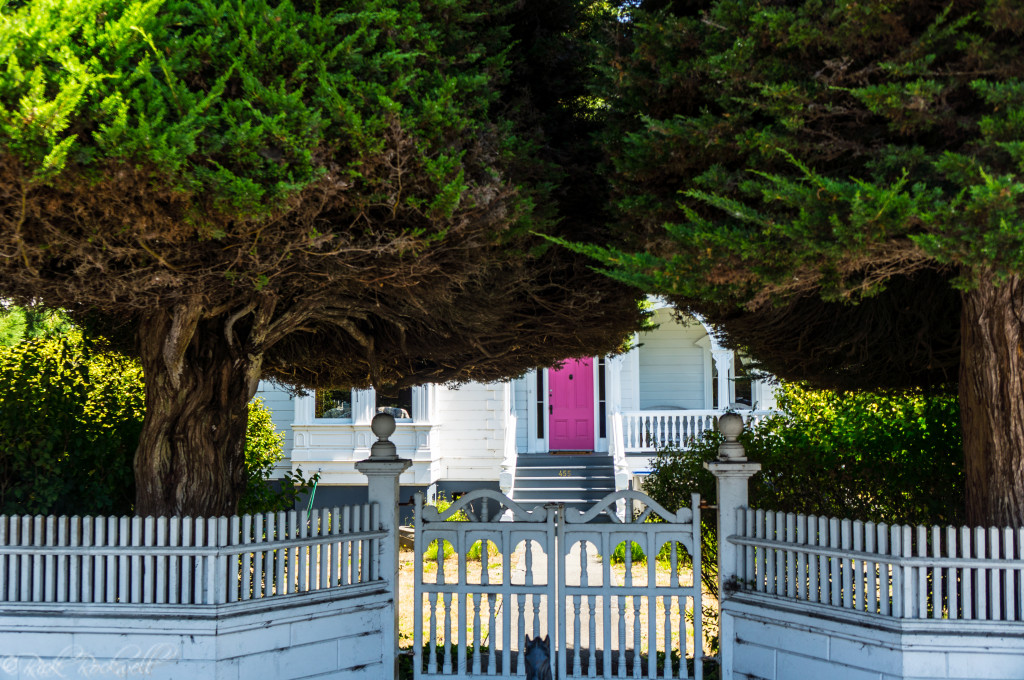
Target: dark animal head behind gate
x,y
537,653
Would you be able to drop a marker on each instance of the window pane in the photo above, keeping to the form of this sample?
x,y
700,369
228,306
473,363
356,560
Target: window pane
x,y
398,403
333,404
742,381
540,403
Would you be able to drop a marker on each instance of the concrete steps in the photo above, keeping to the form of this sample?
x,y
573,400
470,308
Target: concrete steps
x,y
577,481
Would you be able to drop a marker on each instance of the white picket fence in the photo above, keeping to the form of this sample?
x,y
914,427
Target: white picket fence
x,y
898,571
185,560
649,431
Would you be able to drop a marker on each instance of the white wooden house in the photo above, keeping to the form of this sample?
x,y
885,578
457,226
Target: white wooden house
x,y
611,412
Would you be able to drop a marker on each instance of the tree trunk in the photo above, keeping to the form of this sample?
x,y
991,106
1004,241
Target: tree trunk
x,y
992,400
191,455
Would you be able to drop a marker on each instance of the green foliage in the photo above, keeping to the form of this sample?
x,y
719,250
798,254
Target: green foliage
x,y
238,99
808,153
264,448
20,323
894,458
442,503
636,553
70,418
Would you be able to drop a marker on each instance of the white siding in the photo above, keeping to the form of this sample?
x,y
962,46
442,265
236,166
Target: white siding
x,y
671,366
282,408
522,402
471,438
628,400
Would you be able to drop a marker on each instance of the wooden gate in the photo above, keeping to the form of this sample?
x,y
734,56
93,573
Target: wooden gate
x,y
616,588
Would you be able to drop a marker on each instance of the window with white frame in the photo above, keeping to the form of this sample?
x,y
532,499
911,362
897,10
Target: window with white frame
x,y
398,403
346,405
333,404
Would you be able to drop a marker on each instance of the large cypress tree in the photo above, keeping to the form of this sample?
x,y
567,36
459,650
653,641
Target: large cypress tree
x,y
840,185
329,193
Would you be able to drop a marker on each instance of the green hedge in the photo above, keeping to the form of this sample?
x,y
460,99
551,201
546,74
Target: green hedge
x,y
893,457
70,418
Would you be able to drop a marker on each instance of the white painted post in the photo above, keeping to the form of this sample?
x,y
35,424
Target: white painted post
x,y
732,470
723,362
382,470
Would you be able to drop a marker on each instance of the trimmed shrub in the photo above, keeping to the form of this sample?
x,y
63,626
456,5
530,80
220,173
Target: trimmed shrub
x,y
889,457
70,418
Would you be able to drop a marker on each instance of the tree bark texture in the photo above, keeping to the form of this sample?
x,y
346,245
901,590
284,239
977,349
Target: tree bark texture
x,y
992,401
191,455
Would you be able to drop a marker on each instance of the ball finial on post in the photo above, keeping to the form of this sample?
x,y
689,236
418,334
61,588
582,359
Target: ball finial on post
x,y
383,425
731,427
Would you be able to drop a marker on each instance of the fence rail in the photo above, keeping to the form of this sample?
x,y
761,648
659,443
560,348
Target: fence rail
x,y
185,560
899,571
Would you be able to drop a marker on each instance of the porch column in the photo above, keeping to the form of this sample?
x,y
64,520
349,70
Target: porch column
x,y
733,472
382,470
723,362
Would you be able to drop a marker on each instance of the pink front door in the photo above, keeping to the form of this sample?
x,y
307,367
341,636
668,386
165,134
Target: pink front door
x,y
571,406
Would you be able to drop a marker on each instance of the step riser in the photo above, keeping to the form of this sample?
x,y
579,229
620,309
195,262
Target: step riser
x,y
608,471
562,461
599,480
585,479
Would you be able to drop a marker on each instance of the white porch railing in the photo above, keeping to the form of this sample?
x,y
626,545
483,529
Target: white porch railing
x,y
617,449
507,476
898,571
184,560
648,431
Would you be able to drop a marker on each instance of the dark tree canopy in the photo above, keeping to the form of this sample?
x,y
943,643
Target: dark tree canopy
x,y
839,185
332,193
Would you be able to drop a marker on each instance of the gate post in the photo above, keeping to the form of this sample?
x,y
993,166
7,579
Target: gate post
x,y
733,472
382,470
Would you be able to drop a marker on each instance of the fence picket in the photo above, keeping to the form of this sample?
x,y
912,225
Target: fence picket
x,y
812,563
26,593
791,573
87,560
994,578
111,591
188,564
149,540
980,577
1020,574
50,565
99,564
952,575
801,559
834,537
62,561
967,577
160,574
921,601
174,562
780,556
1006,575
123,592
851,575
884,586
761,563
749,572
846,536
824,582
37,560
937,574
